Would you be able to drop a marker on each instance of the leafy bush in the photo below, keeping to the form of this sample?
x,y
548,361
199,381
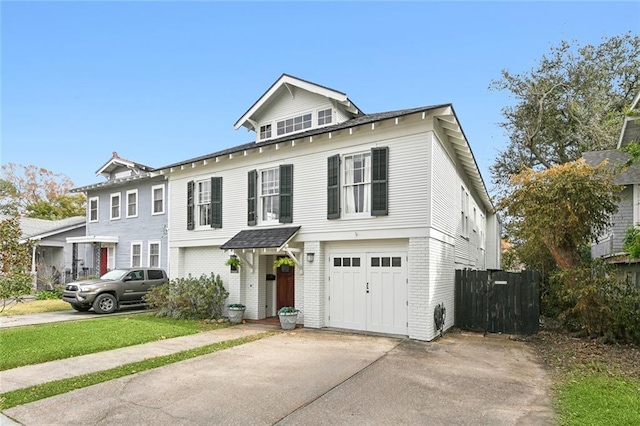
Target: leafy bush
x,y
48,295
189,298
632,241
599,303
236,306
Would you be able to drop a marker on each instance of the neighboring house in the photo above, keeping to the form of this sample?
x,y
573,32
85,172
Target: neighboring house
x,y
610,245
377,211
126,220
51,260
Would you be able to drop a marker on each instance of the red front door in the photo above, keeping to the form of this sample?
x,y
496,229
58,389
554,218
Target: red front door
x,y
103,260
285,286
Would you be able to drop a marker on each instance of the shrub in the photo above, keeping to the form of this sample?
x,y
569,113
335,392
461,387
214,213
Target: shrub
x,y
599,303
48,295
189,298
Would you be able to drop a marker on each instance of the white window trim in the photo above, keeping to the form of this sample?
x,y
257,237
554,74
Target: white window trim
x,y
97,200
111,257
464,209
317,119
259,208
260,138
119,196
159,253
636,203
314,123
153,200
343,201
131,191
197,203
135,243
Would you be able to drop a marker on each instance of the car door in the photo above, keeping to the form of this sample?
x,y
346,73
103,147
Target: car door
x,y
134,285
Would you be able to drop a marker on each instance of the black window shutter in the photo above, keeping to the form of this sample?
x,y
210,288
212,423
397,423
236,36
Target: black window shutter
x,y
252,197
190,207
216,202
286,193
379,181
333,187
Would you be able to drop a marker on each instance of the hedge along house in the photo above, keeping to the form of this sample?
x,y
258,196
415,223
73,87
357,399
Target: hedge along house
x,y
126,220
376,210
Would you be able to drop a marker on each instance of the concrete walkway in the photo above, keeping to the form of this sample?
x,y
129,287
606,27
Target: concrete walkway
x,y
30,375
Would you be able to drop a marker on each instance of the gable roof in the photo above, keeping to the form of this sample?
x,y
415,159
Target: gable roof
x,y
444,114
116,161
616,158
36,229
287,81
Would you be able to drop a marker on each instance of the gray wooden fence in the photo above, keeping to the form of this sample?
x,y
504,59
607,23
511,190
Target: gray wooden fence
x,y
498,301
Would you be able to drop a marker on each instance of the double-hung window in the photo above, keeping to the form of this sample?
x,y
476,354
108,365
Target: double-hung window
x,y
115,206
94,202
136,254
357,183
157,199
204,202
270,194
154,254
132,203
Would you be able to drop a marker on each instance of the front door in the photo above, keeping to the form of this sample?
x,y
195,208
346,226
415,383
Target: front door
x,y
285,286
104,260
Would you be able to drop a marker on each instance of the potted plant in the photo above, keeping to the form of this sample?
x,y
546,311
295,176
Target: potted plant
x,y
233,262
235,312
284,263
288,316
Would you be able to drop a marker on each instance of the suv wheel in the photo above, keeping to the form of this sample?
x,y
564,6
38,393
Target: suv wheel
x,y
80,308
105,304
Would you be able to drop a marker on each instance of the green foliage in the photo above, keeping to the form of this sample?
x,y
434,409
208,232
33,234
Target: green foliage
x,y
15,262
288,310
573,100
599,400
595,300
559,210
283,261
632,242
234,262
48,295
58,208
189,298
236,306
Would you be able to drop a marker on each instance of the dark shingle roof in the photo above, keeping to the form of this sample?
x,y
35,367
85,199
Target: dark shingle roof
x,y
616,158
358,121
260,238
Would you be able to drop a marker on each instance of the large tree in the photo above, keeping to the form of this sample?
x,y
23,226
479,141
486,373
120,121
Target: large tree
x,y
34,189
561,209
573,101
15,262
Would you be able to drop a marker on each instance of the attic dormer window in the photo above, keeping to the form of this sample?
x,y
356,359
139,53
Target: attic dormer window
x,y
265,131
294,124
324,117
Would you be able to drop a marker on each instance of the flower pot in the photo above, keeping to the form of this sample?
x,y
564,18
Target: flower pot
x,y
235,315
288,321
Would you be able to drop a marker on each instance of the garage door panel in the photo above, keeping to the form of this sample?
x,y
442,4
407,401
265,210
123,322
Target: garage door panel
x,y
369,292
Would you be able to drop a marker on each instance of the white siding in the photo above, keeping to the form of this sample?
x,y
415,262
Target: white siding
x,y
443,190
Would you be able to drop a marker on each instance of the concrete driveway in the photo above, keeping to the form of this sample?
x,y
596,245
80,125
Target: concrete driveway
x,y
319,377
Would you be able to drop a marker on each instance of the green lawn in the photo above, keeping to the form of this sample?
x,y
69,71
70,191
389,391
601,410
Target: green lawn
x,y
47,342
35,307
599,399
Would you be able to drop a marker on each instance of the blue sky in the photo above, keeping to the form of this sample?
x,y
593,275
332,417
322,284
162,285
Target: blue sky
x,y
161,82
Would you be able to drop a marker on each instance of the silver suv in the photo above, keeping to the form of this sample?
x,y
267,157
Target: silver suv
x,y
113,290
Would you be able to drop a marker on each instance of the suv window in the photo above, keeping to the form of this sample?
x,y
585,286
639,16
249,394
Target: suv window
x,y
155,274
136,275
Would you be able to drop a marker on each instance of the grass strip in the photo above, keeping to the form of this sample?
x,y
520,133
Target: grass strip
x,y
40,343
35,307
46,390
599,399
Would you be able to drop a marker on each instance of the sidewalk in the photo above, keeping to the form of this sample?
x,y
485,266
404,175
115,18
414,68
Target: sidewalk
x,y
22,377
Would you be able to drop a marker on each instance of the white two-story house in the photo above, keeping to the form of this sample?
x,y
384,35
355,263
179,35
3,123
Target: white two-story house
x,y
376,210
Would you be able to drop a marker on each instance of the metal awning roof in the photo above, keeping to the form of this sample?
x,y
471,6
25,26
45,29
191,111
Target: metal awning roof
x,y
261,238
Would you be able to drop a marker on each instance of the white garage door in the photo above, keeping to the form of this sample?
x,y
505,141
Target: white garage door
x,y
368,291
